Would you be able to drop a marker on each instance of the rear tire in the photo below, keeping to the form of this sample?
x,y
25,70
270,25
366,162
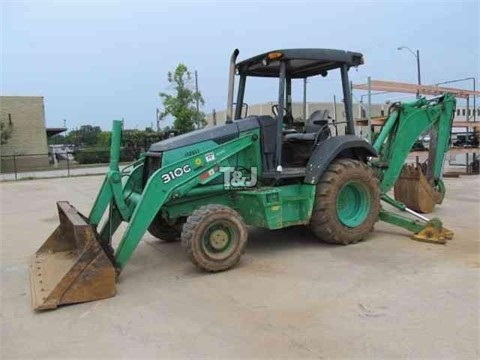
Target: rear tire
x,y
214,237
160,229
347,202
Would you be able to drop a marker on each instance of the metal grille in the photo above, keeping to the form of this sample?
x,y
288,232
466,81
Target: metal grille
x,y
153,162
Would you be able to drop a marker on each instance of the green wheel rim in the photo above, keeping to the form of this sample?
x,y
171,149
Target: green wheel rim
x,y
218,241
353,204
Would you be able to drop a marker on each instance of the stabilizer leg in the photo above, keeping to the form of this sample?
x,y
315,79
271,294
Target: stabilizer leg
x,y
426,230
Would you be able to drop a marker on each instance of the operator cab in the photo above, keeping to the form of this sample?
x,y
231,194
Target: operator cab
x,y
287,144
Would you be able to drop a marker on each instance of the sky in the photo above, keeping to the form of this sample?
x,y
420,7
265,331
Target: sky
x,y
95,61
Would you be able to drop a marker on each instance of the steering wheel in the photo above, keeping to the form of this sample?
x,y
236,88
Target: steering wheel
x,y
287,119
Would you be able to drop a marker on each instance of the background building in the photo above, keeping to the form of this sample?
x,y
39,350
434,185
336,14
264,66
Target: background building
x,y
359,112
336,111
25,118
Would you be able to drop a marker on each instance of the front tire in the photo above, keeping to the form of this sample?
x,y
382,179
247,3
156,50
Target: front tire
x,y
214,237
347,202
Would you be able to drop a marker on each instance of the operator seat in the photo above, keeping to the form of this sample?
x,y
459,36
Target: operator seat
x,y
317,122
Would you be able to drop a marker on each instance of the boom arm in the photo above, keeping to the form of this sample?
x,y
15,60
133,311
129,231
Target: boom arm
x,y
403,127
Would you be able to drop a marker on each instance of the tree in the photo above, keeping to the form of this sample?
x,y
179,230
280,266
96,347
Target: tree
x,y
86,135
181,104
56,139
5,132
104,138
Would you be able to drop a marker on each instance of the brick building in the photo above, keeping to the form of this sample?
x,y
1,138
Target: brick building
x,y
24,117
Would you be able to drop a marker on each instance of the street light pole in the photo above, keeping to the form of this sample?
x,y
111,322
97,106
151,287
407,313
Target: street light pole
x,y
418,68
417,56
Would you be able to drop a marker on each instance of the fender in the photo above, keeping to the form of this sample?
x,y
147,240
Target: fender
x,y
346,146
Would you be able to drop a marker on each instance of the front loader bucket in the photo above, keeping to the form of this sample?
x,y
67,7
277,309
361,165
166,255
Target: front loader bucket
x,y
412,189
71,266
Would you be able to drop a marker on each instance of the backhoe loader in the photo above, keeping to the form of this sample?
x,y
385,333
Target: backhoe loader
x,y
267,171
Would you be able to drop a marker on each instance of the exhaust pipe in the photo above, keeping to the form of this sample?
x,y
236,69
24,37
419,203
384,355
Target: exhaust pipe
x,y
231,86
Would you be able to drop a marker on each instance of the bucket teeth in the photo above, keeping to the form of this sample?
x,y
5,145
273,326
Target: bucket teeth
x,y
71,266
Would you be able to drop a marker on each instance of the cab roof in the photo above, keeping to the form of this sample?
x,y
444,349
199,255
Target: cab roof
x,y
301,63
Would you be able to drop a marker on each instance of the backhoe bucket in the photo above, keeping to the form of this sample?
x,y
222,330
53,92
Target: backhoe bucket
x,y
71,266
412,189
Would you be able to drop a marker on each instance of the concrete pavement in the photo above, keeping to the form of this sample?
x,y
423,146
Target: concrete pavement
x,y
290,297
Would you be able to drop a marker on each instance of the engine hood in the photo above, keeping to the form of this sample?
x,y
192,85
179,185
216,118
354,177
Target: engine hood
x,y
220,133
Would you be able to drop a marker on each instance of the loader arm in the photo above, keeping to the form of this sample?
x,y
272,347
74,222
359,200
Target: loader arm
x,y
157,193
111,191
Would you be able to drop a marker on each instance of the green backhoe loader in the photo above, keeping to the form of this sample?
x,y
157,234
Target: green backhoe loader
x,y
267,171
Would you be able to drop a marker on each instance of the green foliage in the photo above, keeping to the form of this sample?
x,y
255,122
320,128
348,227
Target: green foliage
x,y
70,138
56,139
97,143
92,156
181,104
99,155
104,138
98,151
140,139
85,135
133,143
5,132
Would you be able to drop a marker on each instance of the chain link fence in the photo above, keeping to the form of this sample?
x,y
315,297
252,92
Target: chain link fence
x,y
16,167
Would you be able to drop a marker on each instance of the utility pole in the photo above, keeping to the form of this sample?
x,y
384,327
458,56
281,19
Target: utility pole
x,y
196,95
157,116
214,117
418,68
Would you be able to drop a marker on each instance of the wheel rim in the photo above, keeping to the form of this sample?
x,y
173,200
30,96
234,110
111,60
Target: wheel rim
x,y
219,240
353,204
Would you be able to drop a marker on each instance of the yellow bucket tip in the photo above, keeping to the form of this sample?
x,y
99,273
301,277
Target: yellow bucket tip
x,y
433,234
